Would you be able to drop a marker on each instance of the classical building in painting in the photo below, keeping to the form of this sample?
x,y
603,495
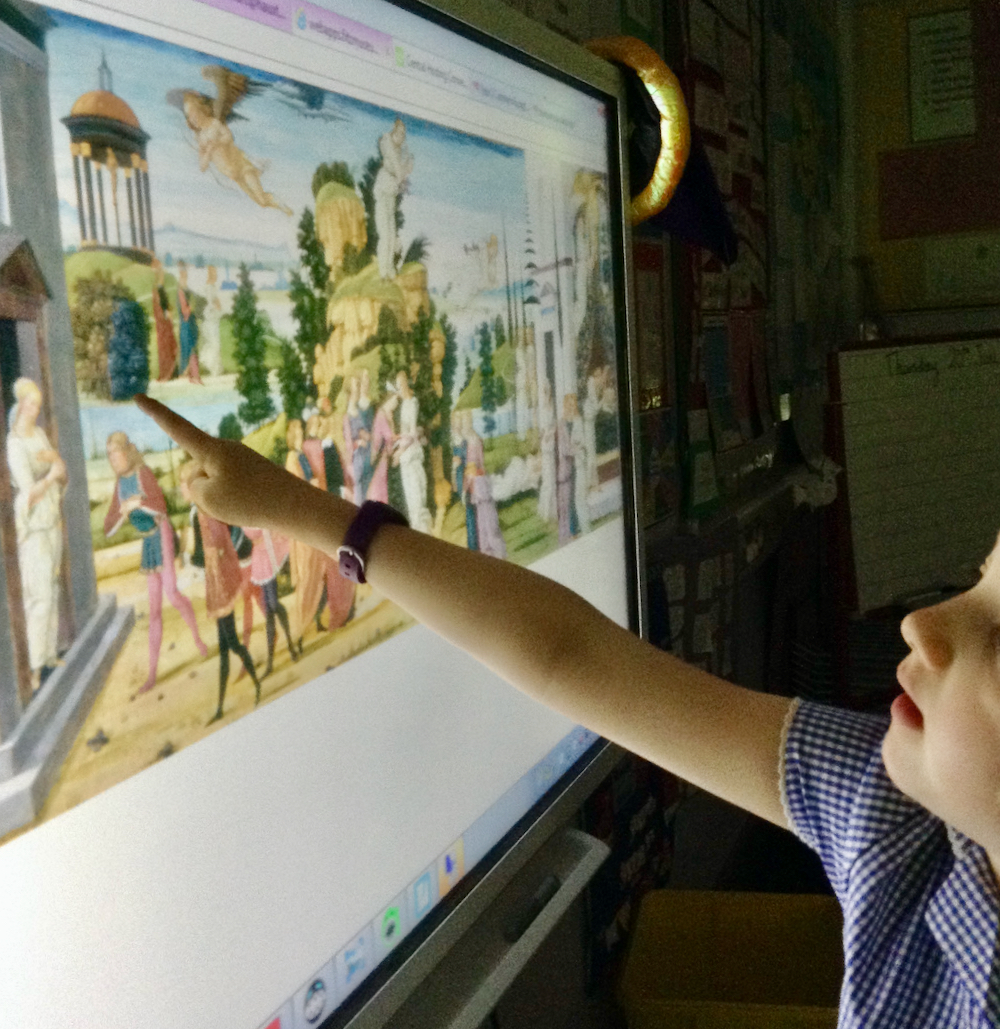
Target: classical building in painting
x,y
108,146
40,715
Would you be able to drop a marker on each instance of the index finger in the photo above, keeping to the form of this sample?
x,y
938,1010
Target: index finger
x,y
197,443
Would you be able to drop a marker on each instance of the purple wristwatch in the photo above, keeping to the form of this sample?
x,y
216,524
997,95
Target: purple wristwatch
x,y
353,552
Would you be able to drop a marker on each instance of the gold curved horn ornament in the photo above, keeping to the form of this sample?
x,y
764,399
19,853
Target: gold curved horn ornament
x,y
675,127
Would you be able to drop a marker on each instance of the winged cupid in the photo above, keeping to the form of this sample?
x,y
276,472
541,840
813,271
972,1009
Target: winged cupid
x,y
209,120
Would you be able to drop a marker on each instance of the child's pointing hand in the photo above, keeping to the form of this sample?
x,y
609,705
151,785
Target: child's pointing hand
x,y
232,482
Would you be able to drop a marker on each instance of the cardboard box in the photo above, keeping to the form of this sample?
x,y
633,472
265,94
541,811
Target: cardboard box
x,y
714,960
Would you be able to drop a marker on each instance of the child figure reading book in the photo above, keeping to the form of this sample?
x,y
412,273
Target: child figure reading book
x,y
904,812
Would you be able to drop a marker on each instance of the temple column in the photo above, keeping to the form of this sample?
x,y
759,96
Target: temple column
x,y
139,201
89,185
113,173
100,202
75,151
131,205
144,172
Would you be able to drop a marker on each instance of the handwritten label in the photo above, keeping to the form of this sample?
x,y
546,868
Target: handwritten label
x,y
980,354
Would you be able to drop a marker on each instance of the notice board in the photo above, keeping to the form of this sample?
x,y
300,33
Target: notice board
x,y
921,428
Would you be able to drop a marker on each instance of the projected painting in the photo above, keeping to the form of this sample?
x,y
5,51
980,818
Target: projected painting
x,y
386,307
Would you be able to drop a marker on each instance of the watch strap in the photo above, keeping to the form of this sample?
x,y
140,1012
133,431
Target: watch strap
x,y
353,552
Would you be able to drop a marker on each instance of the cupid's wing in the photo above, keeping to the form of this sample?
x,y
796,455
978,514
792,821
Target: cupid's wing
x,y
230,88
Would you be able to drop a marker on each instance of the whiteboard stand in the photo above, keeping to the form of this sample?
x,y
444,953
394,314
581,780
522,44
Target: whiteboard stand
x,y
469,982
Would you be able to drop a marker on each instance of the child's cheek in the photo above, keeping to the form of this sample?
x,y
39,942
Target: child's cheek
x,y
966,770
900,758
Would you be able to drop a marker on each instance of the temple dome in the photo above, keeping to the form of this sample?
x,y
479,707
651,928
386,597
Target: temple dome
x,y
100,103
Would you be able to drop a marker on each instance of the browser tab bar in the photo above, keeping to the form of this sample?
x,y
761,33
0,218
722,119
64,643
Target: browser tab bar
x,y
330,29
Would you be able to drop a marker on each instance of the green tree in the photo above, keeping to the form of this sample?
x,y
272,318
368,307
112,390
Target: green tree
x,y
500,383
366,187
335,171
441,436
417,250
354,260
311,255
450,363
421,374
488,381
128,350
308,295
91,323
292,381
279,451
421,367
250,348
230,427
394,346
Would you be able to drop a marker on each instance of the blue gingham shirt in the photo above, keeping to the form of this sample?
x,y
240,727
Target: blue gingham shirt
x,y
919,899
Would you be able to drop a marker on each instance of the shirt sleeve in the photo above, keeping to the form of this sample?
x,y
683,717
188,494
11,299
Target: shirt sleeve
x,y
837,796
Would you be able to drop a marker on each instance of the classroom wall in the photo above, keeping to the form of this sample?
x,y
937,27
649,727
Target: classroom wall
x,y
581,20
948,253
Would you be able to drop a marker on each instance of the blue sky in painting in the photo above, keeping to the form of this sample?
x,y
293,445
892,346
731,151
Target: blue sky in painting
x,y
462,188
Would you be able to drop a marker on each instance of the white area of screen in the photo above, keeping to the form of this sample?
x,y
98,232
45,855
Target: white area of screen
x,y
205,890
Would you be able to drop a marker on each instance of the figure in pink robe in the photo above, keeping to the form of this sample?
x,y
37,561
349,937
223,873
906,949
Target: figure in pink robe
x,y
383,439
476,483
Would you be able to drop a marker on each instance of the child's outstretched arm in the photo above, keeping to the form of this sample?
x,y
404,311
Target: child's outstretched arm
x,y
536,634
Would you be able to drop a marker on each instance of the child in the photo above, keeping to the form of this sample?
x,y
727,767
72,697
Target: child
x,y
904,813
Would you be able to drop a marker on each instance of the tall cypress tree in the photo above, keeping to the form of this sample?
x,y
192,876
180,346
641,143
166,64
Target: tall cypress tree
x,y
292,382
366,187
308,296
442,435
499,383
249,349
488,400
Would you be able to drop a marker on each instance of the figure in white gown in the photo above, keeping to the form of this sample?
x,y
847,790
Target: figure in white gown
x,y
390,181
411,456
38,475
547,431
211,325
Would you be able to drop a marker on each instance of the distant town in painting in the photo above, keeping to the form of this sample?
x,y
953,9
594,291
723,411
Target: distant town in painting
x,y
386,307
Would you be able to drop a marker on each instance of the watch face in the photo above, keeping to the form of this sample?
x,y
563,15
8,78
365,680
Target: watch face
x,y
351,565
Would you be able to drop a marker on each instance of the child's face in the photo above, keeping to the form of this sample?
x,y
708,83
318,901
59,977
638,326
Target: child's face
x,y
943,746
